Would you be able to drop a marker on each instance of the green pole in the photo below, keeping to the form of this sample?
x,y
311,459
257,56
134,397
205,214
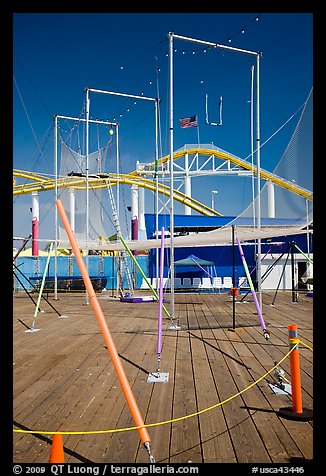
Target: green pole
x,y
143,274
42,284
306,256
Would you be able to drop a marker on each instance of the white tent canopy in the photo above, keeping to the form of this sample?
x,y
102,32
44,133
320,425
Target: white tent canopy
x,y
221,236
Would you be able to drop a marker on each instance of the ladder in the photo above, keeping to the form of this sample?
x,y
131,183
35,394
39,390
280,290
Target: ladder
x,y
124,256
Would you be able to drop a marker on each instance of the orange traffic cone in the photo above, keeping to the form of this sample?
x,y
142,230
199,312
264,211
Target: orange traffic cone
x,y
57,454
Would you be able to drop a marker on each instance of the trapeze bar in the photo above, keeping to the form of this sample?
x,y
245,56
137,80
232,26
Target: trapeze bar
x,y
122,94
89,120
216,45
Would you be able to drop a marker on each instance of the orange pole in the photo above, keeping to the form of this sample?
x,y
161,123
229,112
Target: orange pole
x,y
295,370
104,328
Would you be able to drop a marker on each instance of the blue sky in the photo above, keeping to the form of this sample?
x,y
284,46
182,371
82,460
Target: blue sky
x,y
56,55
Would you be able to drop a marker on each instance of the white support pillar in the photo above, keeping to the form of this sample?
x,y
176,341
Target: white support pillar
x,y
271,199
134,201
141,213
72,208
35,206
35,223
187,184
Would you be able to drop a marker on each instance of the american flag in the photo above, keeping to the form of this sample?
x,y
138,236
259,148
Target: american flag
x,y
188,122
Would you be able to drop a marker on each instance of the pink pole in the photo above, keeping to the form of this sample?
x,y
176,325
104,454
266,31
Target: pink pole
x,y
134,228
160,300
134,231
253,292
35,235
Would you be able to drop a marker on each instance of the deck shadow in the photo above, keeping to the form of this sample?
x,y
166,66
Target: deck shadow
x,y
49,441
147,372
219,350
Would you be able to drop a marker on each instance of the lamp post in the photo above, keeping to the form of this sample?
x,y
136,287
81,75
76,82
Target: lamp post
x,y
213,193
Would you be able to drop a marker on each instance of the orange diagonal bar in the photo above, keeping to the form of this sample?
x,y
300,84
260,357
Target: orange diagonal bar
x,y
104,328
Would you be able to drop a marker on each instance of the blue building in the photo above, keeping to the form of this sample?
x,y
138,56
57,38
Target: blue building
x,y
226,259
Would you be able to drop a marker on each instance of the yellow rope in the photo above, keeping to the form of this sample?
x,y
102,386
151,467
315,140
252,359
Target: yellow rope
x,y
117,430
306,345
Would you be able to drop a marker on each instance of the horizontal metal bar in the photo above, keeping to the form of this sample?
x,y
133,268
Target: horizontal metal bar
x,y
216,45
121,94
89,120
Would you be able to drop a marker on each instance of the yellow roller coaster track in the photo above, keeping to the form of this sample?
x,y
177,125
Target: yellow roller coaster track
x,y
264,174
40,183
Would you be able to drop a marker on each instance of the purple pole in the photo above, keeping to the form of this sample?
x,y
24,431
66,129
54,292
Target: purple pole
x,y
261,259
134,231
160,298
134,228
253,292
202,268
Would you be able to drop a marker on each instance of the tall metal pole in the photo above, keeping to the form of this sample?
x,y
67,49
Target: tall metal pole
x,y
258,188
307,222
238,50
233,278
294,293
87,184
252,143
156,188
113,93
157,118
213,201
118,159
171,180
118,209
56,210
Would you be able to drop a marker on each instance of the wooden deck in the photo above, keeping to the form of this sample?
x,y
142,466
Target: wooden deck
x,y
64,380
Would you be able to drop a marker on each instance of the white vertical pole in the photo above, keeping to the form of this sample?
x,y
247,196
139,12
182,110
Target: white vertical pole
x,y
214,192
156,190
134,201
72,208
56,210
35,223
87,184
118,158
258,186
308,237
271,199
35,206
252,144
187,184
171,179
141,210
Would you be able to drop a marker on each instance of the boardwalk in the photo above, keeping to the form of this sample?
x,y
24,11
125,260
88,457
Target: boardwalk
x,y
64,380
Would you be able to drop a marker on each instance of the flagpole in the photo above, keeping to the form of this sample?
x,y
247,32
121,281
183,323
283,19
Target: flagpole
x,y
197,131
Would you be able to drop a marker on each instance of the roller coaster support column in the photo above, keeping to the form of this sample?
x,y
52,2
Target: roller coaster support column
x,y
106,334
187,183
35,223
141,213
271,199
134,212
296,412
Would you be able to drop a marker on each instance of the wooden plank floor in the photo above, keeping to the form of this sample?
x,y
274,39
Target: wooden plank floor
x,y
64,380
